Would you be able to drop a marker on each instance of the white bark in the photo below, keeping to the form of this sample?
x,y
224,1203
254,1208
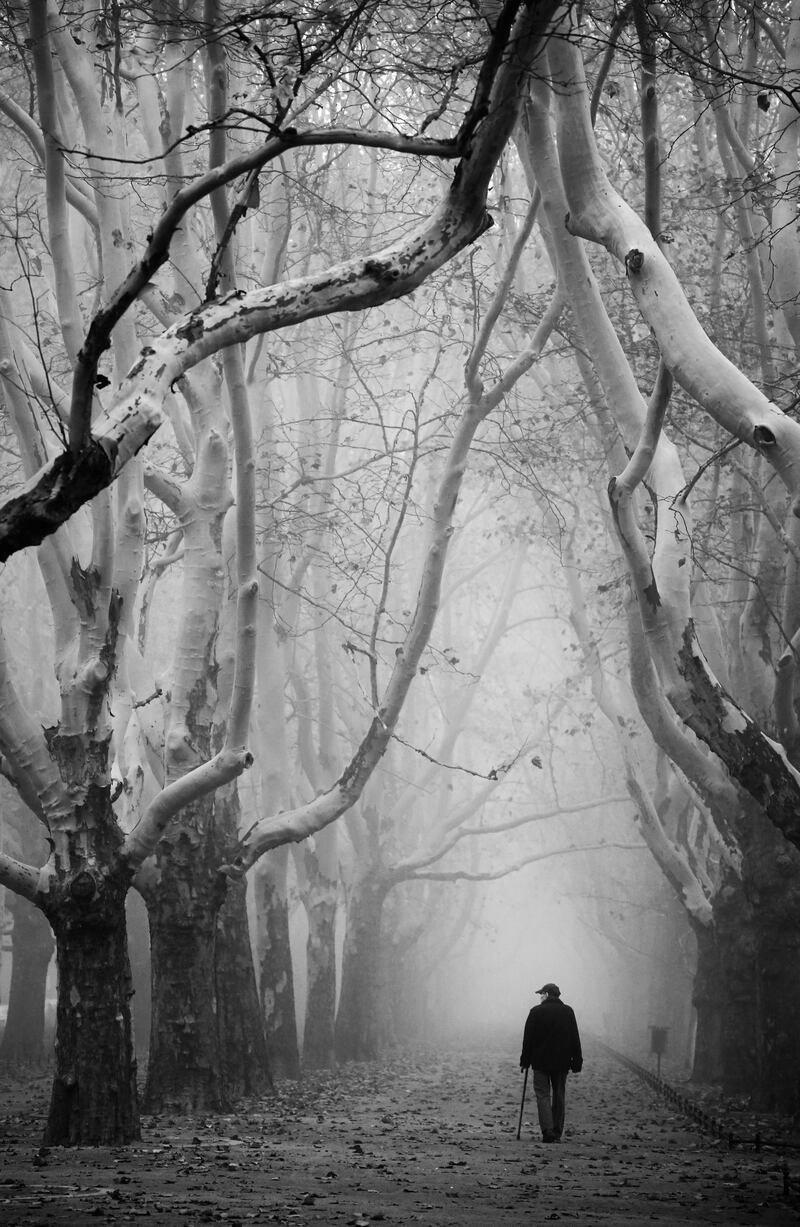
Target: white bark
x,y
301,822
352,285
55,180
616,705
241,700
785,243
75,190
220,770
304,821
22,879
598,213
24,746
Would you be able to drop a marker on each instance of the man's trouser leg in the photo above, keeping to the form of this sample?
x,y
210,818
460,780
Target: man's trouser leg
x,y
559,1084
541,1089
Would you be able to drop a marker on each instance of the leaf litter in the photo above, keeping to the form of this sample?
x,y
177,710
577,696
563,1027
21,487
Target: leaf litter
x,y
424,1137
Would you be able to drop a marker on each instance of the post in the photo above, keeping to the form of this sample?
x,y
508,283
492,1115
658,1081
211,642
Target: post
x,y
658,1045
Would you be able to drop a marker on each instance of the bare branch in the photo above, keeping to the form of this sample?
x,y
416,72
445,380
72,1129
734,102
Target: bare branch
x,y
219,770
468,875
349,286
22,879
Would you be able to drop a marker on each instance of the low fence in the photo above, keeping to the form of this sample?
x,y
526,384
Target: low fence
x,y
714,1125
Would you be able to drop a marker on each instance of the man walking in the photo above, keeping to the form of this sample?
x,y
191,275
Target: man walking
x,y
551,1045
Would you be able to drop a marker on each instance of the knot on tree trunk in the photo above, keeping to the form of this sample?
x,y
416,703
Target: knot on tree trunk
x,y
634,261
83,887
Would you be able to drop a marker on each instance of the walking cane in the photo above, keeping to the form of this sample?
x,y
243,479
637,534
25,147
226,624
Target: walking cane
x,y
522,1105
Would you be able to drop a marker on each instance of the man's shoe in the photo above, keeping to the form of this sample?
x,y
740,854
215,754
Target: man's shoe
x,y
549,1137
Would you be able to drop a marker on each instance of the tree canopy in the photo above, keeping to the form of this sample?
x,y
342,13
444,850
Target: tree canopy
x,y
320,322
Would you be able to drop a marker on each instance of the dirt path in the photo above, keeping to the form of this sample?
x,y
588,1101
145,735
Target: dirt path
x,y
428,1140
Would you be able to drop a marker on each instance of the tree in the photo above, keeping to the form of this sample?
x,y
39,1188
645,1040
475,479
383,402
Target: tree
x,y
736,731
178,755
91,584
23,1041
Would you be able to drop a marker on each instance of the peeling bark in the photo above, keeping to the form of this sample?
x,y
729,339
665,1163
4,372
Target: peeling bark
x,y
759,764
384,275
243,1042
184,1073
50,498
94,1100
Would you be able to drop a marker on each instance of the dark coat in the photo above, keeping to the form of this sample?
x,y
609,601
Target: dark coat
x,y
551,1041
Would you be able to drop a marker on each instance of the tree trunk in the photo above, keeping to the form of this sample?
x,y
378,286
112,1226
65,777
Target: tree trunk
x,y
707,1001
359,1033
276,979
141,971
185,1069
779,1001
757,922
243,1045
405,995
94,1099
773,880
207,1036
319,1030
32,949
740,1048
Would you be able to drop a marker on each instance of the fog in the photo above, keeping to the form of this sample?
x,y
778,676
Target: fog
x,y
595,915
535,936
623,966
603,925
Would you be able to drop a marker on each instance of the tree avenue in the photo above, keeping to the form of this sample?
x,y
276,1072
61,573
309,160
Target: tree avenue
x,y
175,844
268,274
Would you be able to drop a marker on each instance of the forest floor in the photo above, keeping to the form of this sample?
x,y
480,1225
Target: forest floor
x,y
425,1138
